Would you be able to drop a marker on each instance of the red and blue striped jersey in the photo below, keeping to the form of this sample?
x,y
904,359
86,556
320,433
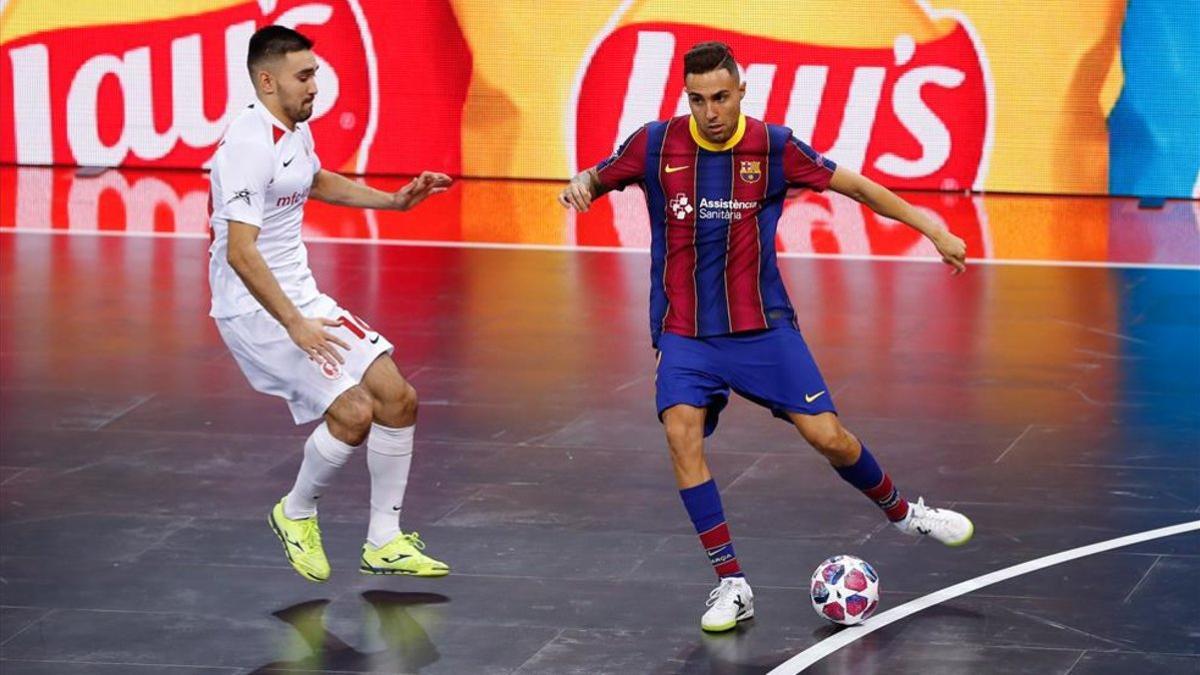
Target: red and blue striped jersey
x,y
713,214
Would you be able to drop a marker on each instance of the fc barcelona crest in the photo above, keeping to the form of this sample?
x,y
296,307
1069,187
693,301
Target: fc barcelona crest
x,y
750,171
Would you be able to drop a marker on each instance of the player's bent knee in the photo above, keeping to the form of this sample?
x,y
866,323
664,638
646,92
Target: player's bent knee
x,y
826,441
401,409
831,440
353,410
684,445
686,441
681,432
409,400
396,406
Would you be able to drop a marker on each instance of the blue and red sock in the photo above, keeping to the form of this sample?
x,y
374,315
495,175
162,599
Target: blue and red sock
x,y
866,475
703,504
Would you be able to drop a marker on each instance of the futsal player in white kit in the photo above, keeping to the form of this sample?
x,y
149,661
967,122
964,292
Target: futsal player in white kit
x,y
290,339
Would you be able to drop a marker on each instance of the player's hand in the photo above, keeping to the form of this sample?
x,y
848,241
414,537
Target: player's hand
x,y
421,187
577,194
311,336
953,251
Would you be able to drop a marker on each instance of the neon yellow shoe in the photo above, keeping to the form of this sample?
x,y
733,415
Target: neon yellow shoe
x,y
401,555
301,543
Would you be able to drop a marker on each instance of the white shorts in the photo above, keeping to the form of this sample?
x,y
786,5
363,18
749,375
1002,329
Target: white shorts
x,y
275,365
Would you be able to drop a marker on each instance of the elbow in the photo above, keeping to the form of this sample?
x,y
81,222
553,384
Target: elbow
x,y
858,194
870,195
236,257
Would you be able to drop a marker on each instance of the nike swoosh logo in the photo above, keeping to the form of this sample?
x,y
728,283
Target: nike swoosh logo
x,y
673,169
810,399
289,161
374,340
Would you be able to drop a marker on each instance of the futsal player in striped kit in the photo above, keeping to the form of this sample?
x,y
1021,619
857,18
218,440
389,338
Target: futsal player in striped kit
x,y
720,317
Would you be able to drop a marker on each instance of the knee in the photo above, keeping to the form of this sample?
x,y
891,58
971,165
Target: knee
x,y
834,442
407,401
354,412
684,437
400,408
397,406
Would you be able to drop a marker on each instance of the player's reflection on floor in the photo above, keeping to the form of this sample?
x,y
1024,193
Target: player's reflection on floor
x,y
737,652
402,620
741,652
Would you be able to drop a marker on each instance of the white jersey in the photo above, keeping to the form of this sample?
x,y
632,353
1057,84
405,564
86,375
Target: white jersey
x,y
261,176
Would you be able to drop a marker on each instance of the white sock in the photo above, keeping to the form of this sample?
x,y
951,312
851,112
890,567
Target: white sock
x,y
389,457
323,456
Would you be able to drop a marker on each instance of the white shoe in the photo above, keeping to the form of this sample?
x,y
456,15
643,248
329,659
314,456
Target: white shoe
x,y
949,527
730,602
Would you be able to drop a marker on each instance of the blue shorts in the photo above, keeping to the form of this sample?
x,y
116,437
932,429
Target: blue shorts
x,y
772,367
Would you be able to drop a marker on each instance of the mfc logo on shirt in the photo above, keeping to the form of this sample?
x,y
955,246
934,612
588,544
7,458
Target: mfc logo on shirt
x,y
298,197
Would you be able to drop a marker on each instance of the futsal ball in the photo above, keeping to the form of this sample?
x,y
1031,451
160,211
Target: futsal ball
x,y
845,590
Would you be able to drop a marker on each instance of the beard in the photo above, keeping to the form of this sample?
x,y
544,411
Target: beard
x,y
301,112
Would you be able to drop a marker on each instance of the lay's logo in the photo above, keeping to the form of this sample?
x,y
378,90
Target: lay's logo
x,y
915,115
155,91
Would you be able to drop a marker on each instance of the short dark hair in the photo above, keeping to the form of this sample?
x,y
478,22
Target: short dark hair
x,y
274,41
706,57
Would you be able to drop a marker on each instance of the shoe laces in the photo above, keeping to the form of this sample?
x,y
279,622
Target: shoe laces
x,y
929,515
312,535
414,539
723,594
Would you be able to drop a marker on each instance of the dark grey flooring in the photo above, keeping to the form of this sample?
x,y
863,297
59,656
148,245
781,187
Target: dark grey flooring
x,y
1057,407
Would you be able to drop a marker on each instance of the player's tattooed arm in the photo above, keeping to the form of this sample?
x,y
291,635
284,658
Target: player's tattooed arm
x,y
887,203
583,189
308,334
335,188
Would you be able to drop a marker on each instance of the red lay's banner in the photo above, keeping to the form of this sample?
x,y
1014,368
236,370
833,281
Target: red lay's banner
x,y
930,94
907,117
135,88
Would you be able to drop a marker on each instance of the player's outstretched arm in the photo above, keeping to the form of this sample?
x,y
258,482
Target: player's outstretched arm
x,y
308,334
583,189
335,188
887,203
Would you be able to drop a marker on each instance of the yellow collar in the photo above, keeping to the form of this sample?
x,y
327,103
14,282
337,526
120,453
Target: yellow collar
x,y
714,147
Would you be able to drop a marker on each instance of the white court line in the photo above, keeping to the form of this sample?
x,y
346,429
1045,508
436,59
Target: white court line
x,y
614,249
829,645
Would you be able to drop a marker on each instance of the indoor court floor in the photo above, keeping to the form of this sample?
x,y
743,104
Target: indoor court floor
x,y
1058,405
